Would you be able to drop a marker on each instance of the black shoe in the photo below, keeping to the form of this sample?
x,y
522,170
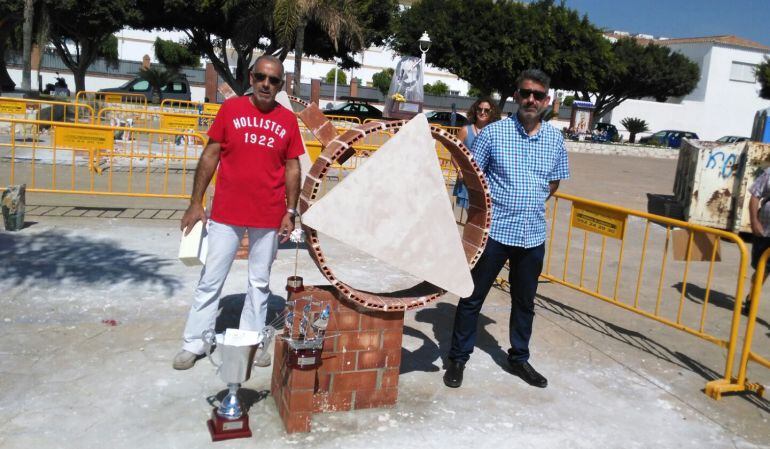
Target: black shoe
x,y
453,377
528,374
746,306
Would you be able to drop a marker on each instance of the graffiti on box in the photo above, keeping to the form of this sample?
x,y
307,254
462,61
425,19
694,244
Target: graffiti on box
x,y
725,164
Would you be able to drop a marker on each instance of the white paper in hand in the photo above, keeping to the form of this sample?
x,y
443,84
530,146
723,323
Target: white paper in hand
x,y
238,337
193,246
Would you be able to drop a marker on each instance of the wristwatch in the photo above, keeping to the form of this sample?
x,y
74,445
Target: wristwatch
x,y
291,211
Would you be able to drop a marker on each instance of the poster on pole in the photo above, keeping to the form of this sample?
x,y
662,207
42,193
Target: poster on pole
x,y
405,96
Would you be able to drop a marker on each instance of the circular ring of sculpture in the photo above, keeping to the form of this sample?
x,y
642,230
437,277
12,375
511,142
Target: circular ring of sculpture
x,y
475,232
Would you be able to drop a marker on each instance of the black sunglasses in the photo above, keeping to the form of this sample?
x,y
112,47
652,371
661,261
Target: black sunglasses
x,y
259,77
538,94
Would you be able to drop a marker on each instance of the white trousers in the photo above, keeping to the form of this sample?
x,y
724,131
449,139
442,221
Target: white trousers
x,y
223,242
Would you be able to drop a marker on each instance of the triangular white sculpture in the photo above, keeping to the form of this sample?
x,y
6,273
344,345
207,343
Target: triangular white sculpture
x,y
304,160
396,208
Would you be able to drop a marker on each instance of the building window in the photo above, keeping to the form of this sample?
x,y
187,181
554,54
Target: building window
x,y
454,92
742,71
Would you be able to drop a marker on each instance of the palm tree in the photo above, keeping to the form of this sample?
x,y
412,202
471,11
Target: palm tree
x,y
291,17
634,126
157,78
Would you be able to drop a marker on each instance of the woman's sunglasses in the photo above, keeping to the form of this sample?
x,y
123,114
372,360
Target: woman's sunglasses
x,y
483,111
259,77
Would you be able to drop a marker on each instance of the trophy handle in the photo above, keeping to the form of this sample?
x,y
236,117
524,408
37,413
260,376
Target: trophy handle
x,y
209,337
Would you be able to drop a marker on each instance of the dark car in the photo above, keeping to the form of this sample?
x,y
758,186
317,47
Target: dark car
x,y
732,139
178,89
444,118
356,107
668,138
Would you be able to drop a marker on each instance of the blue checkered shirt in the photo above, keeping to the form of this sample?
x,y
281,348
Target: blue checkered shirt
x,y
518,168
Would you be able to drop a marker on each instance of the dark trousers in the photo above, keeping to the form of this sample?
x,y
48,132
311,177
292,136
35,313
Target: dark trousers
x,y
526,264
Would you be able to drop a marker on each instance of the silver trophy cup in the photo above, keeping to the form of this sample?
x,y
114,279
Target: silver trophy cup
x,y
234,369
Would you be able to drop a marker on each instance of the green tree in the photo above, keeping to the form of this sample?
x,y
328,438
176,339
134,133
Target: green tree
x,y
216,29
291,18
516,36
763,76
639,71
175,56
11,14
634,126
342,78
382,79
213,27
439,88
86,26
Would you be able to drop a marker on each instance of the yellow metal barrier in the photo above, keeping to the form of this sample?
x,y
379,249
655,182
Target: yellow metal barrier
x,y
603,232
89,159
55,111
718,387
99,100
153,119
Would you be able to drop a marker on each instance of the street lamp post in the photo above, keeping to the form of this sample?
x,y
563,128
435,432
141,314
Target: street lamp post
x,y
424,47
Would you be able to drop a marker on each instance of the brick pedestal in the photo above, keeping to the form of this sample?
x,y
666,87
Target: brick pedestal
x,y
360,363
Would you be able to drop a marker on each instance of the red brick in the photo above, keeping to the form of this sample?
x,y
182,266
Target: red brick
x,y
344,321
357,380
382,320
334,402
371,360
393,358
389,378
323,382
297,422
301,379
331,363
300,401
357,341
376,398
391,339
330,344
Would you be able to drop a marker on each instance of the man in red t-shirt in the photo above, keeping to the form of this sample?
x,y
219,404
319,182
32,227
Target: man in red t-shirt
x,y
256,144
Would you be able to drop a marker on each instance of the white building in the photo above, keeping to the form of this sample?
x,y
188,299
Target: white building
x,y
725,99
133,45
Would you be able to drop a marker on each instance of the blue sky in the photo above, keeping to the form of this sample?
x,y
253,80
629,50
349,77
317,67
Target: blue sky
x,y
749,19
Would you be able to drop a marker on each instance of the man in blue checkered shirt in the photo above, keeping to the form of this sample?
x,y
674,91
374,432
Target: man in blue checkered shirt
x,y
523,159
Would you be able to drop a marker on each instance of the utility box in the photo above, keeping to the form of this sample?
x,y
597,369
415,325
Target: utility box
x,y
712,182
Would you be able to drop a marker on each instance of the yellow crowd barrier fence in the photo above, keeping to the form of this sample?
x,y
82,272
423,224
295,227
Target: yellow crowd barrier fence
x,y
99,100
688,277
89,159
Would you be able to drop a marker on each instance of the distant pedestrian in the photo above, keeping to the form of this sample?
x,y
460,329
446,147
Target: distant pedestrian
x,y
523,159
759,217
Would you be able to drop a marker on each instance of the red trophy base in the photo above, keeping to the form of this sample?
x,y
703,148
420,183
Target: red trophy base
x,y
306,358
227,429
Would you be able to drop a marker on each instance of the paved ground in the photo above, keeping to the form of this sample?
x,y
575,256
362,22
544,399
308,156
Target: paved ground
x,y
93,308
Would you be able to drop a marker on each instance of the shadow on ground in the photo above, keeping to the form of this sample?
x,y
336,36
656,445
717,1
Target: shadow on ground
x,y
697,295
230,308
56,256
441,319
641,342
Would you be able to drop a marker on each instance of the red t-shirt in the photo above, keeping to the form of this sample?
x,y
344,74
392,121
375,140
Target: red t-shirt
x,y
250,184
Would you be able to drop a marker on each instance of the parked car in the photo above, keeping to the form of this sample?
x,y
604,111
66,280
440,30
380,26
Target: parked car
x,y
175,90
732,139
444,118
668,138
356,107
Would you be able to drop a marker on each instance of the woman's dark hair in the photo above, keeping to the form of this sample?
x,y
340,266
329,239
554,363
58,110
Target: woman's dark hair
x,y
494,115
